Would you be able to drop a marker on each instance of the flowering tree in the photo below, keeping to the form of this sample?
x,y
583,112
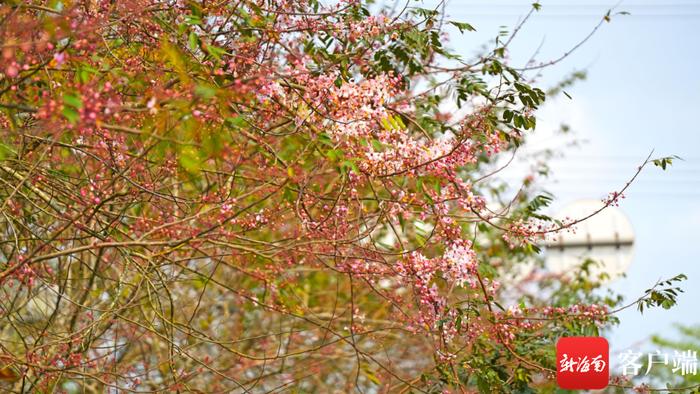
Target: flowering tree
x,y
256,196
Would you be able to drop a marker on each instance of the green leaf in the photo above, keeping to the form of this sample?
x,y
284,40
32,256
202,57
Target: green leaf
x,y
334,154
193,19
5,151
235,122
386,124
193,41
70,114
205,91
215,51
189,160
665,161
507,116
325,139
462,26
373,378
73,100
351,165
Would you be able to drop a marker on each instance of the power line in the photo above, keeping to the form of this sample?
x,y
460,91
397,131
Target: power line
x,y
547,5
675,10
600,15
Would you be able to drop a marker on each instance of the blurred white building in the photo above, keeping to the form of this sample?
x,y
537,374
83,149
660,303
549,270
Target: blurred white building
x,y
606,237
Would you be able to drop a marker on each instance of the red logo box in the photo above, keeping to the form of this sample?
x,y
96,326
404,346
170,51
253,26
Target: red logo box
x,y
582,363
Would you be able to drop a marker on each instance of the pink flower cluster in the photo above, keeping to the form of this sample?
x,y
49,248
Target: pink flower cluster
x,y
520,233
457,266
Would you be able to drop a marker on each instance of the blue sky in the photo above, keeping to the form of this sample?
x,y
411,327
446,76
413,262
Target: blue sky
x,y
642,93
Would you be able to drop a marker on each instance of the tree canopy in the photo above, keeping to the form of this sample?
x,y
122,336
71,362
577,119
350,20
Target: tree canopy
x,y
260,196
